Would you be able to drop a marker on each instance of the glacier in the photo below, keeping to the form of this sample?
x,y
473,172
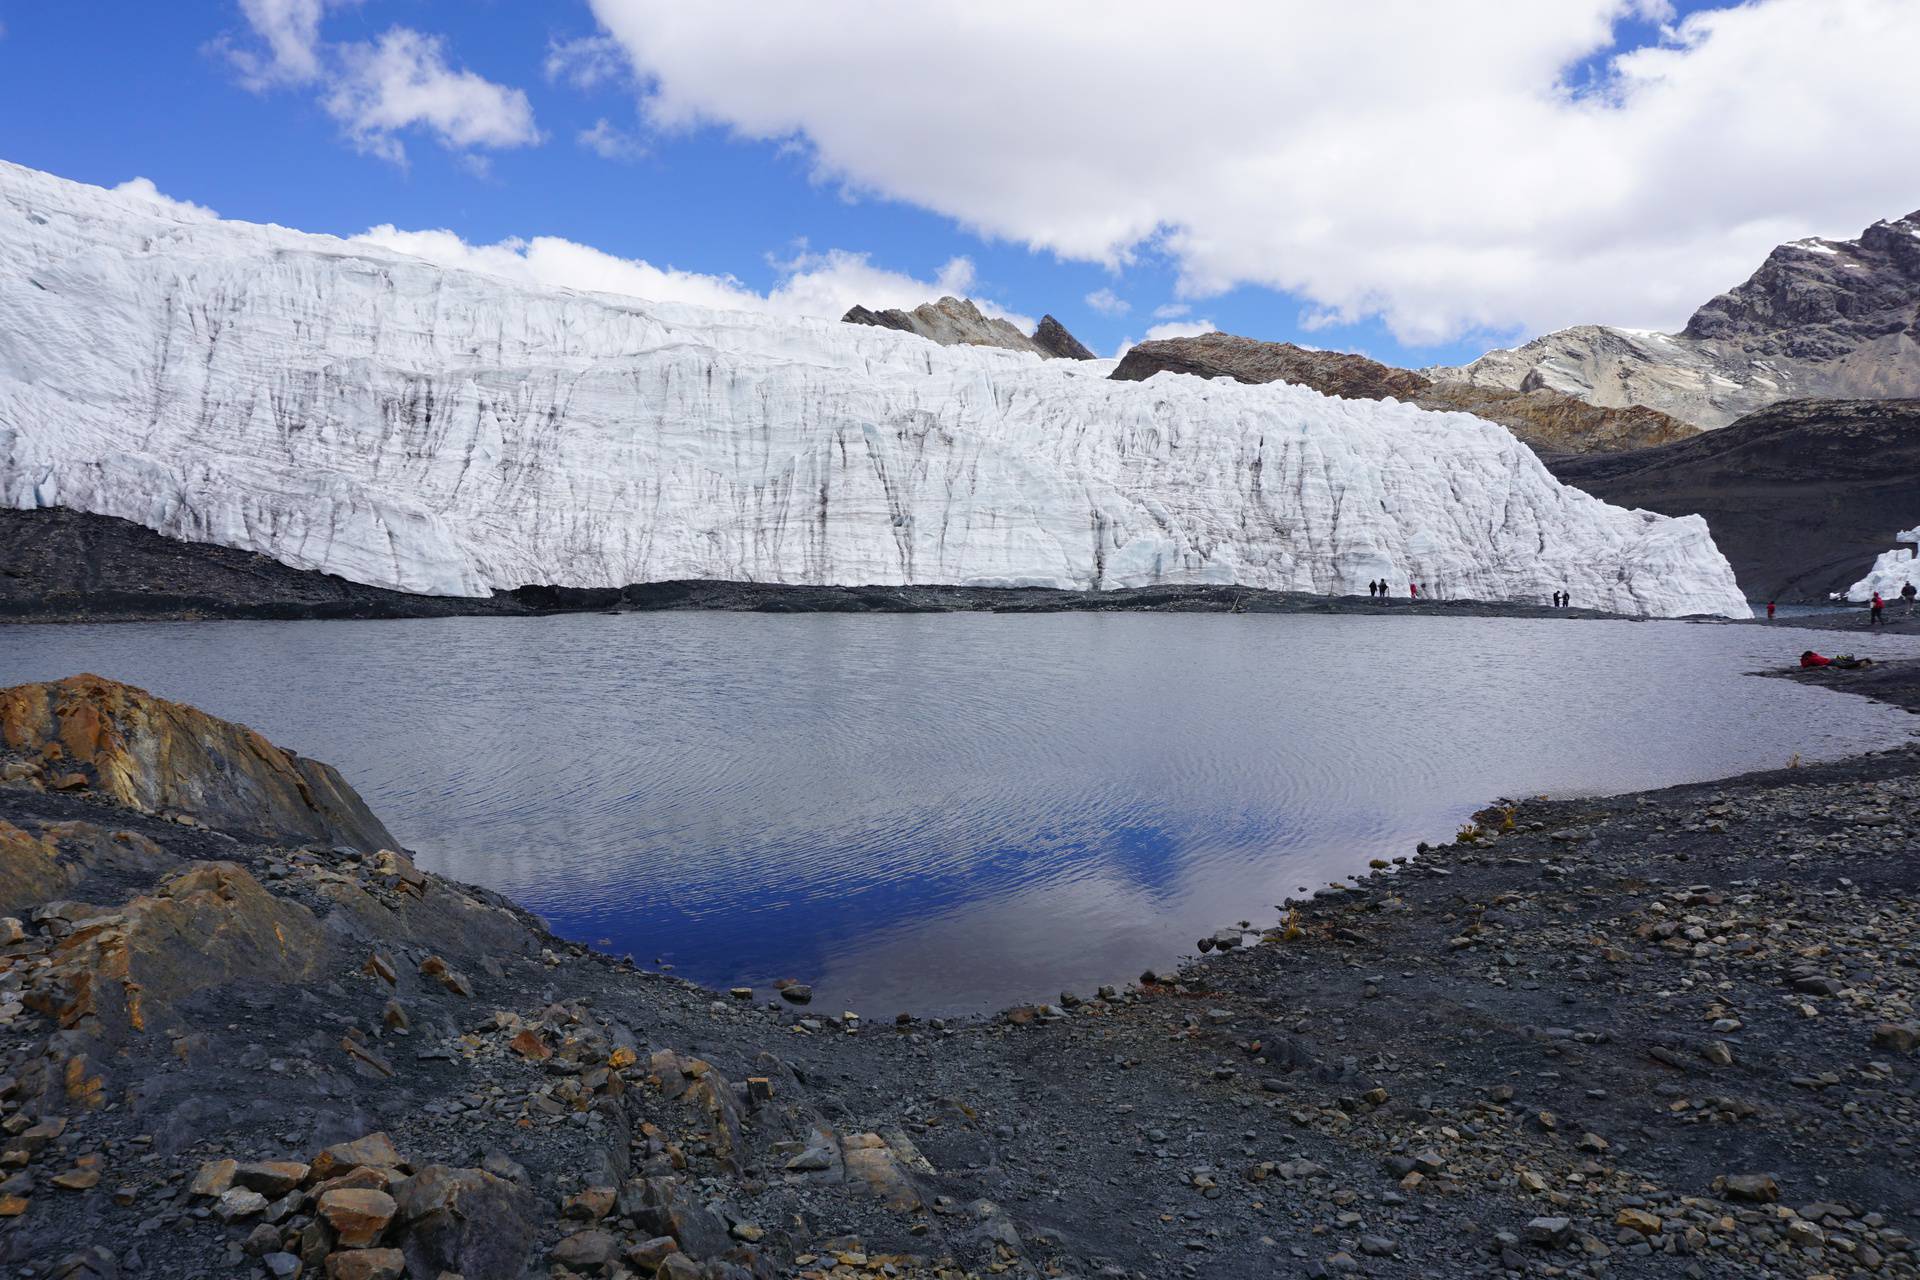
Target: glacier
x,y
1891,571
348,408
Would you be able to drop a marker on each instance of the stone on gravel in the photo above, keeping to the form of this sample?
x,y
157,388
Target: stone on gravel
x,y
589,1250
375,1151
366,1264
1548,1233
1639,1220
271,1177
1759,1188
357,1214
1896,1037
214,1177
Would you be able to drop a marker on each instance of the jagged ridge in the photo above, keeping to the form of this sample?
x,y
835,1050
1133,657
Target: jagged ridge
x,y
1550,421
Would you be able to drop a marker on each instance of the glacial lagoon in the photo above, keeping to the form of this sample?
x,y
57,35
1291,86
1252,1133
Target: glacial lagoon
x,y
947,814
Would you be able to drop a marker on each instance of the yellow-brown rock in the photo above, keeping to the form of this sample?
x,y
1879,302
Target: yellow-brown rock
x,y
376,1150
357,1215
271,1177
46,861
214,1177
158,756
30,871
366,1264
125,967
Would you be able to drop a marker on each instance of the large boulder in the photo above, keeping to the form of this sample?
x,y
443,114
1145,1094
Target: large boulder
x,y
465,1221
156,756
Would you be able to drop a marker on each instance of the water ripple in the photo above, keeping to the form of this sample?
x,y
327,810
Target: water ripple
x,y
955,812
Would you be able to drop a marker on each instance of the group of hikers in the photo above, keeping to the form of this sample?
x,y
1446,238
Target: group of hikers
x,y
1876,611
1562,599
1381,589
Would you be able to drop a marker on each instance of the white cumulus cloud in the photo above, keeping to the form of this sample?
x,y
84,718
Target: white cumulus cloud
x,y
378,90
822,285
1171,329
186,210
1108,303
1449,165
1181,329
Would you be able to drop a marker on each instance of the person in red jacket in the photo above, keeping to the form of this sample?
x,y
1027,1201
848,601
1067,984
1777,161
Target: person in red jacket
x,y
1812,659
1876,616
1769,611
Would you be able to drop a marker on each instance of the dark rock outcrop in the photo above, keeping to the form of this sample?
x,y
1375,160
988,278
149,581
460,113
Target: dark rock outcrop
x,y
1800,496
1549,421
1056,343
59,565
160,757
955,322
1822,300
1226,355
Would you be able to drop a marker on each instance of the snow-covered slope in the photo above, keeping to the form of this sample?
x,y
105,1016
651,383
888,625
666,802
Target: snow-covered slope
x,y
347,408
1892,571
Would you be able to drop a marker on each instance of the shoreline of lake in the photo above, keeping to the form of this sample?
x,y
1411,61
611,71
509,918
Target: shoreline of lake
x,y
1589,1032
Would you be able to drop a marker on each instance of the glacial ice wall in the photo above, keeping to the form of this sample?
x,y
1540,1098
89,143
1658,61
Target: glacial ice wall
x,y
1891,571
346,408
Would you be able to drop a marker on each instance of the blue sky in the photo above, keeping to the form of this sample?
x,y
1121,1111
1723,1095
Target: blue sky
x,y
106,92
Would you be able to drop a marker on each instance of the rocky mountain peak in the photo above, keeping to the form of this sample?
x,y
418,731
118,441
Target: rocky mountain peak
x,y
1053,340
957,322
1820,319
1817,299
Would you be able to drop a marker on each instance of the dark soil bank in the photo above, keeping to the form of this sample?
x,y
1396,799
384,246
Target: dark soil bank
x,y
1669,1034
1800,496
66,566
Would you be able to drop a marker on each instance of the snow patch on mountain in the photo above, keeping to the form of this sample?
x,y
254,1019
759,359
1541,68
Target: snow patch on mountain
x,y
348,408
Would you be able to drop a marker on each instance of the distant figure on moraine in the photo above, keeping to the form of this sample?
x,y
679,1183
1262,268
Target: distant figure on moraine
x,y
1876,612
1769,611
1907,593
1413,591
